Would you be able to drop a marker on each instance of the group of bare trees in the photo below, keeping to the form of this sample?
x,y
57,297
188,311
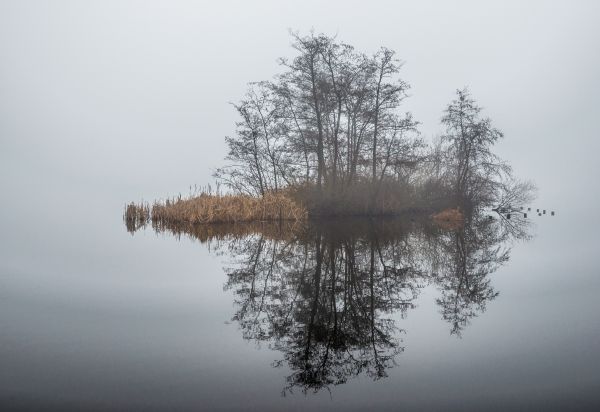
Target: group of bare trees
x,y
330,119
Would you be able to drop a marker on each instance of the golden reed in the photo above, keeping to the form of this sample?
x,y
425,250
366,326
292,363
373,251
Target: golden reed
x,y
216,208
450,219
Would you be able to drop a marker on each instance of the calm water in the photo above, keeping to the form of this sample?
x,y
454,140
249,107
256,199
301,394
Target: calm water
x,y
338,315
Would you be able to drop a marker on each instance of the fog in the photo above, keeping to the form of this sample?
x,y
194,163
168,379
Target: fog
x,y
107,102
129,100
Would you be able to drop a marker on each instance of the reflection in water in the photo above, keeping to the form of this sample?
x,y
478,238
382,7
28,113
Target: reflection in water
x,y
324,294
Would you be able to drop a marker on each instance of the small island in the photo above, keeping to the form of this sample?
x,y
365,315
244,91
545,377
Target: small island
x,y
328,137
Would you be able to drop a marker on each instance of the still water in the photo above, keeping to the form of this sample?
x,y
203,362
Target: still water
x,y
340,315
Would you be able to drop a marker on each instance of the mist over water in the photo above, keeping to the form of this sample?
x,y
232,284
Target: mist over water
x,y
104,103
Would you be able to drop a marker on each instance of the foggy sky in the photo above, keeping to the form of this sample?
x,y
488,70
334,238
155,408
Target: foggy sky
x,y
124,100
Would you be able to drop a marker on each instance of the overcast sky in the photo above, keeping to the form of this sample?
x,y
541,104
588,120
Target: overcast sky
x,y
129,99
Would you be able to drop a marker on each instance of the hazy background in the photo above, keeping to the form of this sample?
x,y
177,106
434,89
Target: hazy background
x,y
106,102
130,98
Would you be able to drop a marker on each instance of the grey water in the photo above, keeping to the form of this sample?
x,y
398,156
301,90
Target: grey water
x,y
253,318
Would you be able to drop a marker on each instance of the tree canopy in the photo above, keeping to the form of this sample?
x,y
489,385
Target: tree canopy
x,y
333,121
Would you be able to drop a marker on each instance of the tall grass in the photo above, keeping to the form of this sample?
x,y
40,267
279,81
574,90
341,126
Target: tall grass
x,y
214,208
450,219
217,208
136,216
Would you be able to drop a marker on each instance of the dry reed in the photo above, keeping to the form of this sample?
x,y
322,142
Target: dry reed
x,y
136,215
209,208
450,219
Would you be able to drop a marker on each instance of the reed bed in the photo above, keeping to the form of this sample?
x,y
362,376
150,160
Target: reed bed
x,y
136,215
218,208
450,219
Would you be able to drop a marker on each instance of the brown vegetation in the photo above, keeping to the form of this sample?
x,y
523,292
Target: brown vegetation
x,y
449,219
136,215
216,208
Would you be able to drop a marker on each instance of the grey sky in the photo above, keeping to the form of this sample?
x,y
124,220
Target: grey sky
x,y
129,99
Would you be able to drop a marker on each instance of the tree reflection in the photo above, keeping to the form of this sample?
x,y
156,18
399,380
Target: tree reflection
x,y
324,298
328,295
468,256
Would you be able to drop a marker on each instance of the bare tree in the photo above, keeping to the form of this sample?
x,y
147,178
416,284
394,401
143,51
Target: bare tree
x,y
476,169
389,93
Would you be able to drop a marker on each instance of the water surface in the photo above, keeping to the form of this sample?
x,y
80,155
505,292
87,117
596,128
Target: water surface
x,y
348,314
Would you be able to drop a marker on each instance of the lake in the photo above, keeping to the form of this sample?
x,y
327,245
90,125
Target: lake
x,y
107,103
349,314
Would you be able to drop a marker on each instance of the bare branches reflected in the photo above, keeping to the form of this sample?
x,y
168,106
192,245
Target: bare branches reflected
x,y
329,295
